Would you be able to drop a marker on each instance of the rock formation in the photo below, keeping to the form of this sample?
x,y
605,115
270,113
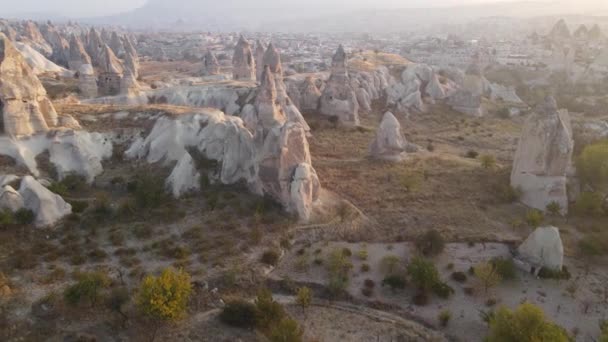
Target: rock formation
x,y
338,98
210,65
60,46
543,156
465,102
184,178
110,73
132,64
47,206
116,44
543,249
87,82
389,144
95,46
242,62
309,96
128,83
269,112
560,31
31,34
24,106
304,190
259,57
78,55
10,199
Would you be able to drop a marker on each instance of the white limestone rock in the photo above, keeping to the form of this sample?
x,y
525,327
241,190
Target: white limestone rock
x,y
389,144
364,99
184,178
543,157
10,199
543,248
243,62
338,98
47,207
310,96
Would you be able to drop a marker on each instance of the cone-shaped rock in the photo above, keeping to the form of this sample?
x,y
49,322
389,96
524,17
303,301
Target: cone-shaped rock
x,y
242,62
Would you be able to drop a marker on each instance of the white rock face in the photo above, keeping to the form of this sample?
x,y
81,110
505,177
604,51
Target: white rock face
x,y
10,199
389,144
310,95
243,62
47,206
39,63
543,156
78,152
184,178
304,190
543,248
24,106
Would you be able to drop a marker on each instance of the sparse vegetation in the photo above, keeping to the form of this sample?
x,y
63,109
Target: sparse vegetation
x,y
488,275
165,297
87,289
526,324
444,317
534,218
430,243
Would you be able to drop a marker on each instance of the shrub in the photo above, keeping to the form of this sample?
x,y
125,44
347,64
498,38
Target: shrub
x,y
547,273
589,204
508,193
591,246
6,218
365,268
367,291
239,313
472,154
423,274
534,218
421,299
526,323
149,191
79,206
460,277
592,166
444,317
390,264
268,311
165,297
505,267
488,161
369,283
347,252
395,282
430,243
554,208
287,330
87,288
117,299
488,275
24,217
443,290
362,254
270,257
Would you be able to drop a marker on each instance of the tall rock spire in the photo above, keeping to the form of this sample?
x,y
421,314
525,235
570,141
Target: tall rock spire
x,y
242,62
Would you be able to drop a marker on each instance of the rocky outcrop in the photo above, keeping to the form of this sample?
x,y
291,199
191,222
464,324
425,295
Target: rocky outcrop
x,y
210,65
87,82
304,190
24,106
116,45
560,31
30,34
48,208
60,46
543,156
259,57
95,46
132,64
269,112
338,98
465,102
110,73
128,84
184,178
543,249
243,63
78,55
309,96
389,144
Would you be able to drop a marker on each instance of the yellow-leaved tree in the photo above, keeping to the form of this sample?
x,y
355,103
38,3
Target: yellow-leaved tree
x,y
527,323
165,297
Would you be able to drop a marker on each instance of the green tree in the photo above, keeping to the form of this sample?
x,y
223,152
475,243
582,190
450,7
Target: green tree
x,y
165,297
604,331
268,311
423,274
554,208
526,324
287,330
488,275
304,297
430,243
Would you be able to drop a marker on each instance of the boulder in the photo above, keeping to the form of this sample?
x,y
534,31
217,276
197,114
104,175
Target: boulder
x,y
184,178
10,199
543,157
389,144
543,249
47,206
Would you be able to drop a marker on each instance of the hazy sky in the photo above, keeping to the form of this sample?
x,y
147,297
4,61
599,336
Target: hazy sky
x,y
77,8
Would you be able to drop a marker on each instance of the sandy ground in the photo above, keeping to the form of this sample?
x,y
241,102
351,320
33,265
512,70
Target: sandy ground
x,y
579,312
